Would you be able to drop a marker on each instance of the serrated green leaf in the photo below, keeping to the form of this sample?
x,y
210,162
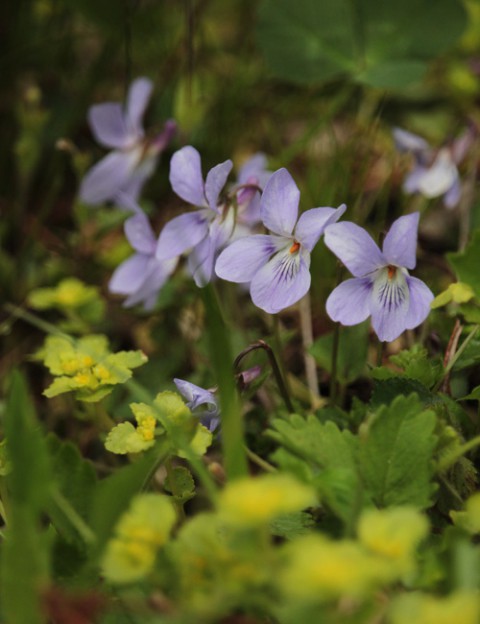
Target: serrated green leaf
x,y
396,454
292,525
387,390
352,352
323,445
200,442
416,364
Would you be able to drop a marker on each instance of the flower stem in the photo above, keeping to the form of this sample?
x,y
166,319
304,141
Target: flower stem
x,y
333,371
256,459
36,321
454,359
451,458
307,340
221,358
261,344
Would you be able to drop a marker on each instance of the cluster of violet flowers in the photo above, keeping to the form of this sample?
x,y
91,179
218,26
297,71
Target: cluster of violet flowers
x,y
224,235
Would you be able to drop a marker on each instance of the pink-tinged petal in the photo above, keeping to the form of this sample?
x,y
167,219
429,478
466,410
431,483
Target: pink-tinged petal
x,y
122,200
186,176
279,203
400,244
129,276
108,125
452,196
180,234
201,261
412,182
249,208
312,224
390,303
160,141
140,234
409,142
241,260
280,283
354,247
135,182
216,179
440,176
420,298
137,100
253,167
349,302
105,179
462,144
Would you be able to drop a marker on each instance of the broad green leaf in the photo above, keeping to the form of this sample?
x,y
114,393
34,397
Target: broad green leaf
x,y
382,44
466,263
416,364
352,352
387,390
292,525
396,454
24,561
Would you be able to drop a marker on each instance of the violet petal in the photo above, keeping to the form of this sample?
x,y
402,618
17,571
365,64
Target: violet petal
x,y
279,203
420,298
349,302
186,176
216,179
108,125
241,260
354,247
400,244
137,100
313,222
180,234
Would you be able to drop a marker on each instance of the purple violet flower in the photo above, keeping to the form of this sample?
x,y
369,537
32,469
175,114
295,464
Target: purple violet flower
x,y
382,286
197,397
435,172
141,276
206,231
134,157
277,265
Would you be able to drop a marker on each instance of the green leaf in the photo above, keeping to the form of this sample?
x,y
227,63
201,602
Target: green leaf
x,y
379,43
112,495
352,352
292,525
416,364
323,445
75,479
386,390
180,483
396,454
465,264
24,567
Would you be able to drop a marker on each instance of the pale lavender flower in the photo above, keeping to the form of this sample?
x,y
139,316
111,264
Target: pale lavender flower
x,y
201,402
124,170
277,265
435,172
204,232
382,287
142,276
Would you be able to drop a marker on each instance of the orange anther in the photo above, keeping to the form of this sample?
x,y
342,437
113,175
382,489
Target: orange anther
x,y
294,248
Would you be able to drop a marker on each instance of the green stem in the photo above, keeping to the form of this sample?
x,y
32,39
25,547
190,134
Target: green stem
x,y
256,459
334,365
36,321
452,458
218,336
455,358
380,352
172,483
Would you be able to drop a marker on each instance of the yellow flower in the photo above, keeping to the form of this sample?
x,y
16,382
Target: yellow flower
x,y
458,608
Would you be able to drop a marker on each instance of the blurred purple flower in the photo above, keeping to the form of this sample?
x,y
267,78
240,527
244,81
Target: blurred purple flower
x,y
201,402
141,276
277,265
435,172
382,286
253,175
134,157
203,233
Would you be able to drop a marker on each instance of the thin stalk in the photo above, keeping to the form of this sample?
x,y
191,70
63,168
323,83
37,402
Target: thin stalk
x,y
171,481
380,352
334,365
307,341
455,358
221,358
277,342
74,518
256,459
452,458
36,321
261,344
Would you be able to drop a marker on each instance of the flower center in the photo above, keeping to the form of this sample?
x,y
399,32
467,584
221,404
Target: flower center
x,y
391,271
294,248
